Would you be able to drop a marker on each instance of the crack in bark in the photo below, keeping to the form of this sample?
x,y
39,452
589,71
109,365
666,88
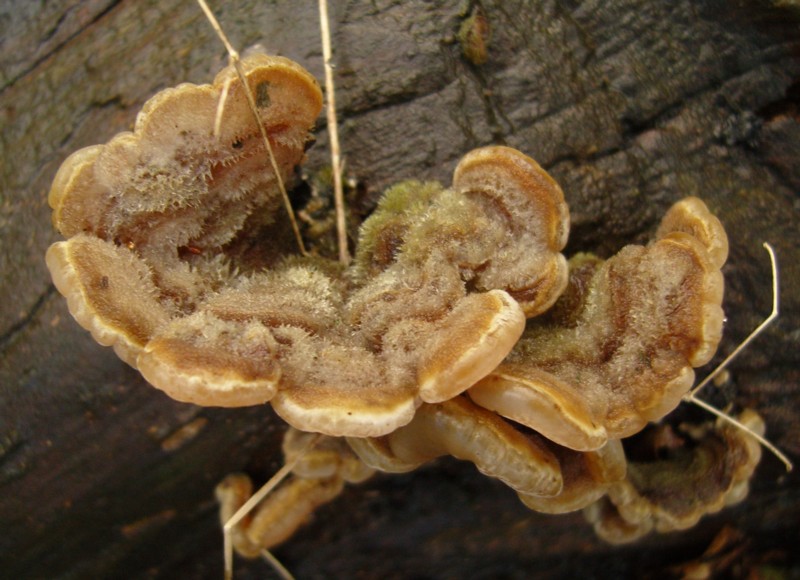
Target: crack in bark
x,y
30,316
30,69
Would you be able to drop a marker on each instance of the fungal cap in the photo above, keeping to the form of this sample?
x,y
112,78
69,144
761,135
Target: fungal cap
x,y
619,350
208,361
376,453
542,402
516,180
587,477
109,293
691,215
290,506
342,412
474,339
154,190
674,492
705,326
298,90
534,207
74,196
686,223
459,428
171,158
278,516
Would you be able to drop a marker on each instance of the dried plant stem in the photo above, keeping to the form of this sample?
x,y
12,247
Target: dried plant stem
x,y
333,132
691,397
237,64
276,565
254,500
221,107
761,439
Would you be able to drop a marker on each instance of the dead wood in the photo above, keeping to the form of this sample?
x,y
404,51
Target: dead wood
x,y
631,105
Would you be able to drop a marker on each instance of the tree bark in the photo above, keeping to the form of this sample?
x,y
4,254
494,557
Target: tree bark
x,y
629,104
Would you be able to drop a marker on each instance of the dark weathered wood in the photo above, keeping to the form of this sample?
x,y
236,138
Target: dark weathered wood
x,y
631,104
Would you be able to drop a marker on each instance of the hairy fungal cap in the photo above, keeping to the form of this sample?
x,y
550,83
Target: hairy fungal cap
x,y
176,256
620,345
708,469
130,208
459,322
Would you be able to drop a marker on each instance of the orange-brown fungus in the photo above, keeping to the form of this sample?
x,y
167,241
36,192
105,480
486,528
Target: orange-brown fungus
x,y
178,255
131,208
465,431
617,349
279,516
708,471
587,476
317,478
327,457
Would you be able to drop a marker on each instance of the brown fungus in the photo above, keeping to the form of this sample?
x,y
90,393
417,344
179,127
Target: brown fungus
x,y
130,206
463,430
160,262
618,349
710,471
474,35
326,457
587,477
109,292
321,469
278,517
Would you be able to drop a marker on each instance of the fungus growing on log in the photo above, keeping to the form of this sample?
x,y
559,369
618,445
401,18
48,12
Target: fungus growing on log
x,y
710,471
618,348
177,257
318,476
463,430
587,477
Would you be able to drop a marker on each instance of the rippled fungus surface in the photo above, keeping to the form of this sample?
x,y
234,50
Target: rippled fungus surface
x,y
459,329
160,263
672,489
618,348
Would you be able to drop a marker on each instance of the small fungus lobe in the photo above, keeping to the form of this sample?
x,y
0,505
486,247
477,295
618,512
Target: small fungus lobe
x,y
474,34
711,471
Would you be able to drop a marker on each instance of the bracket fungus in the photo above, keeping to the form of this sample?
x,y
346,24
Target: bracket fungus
x,y
709,470
459,329
176,258
318,477
617,350
614,352
155,217
587,477
461,429
670,486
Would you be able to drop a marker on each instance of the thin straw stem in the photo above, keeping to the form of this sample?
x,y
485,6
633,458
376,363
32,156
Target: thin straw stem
x,y
255,499
333,132
237,65
691,397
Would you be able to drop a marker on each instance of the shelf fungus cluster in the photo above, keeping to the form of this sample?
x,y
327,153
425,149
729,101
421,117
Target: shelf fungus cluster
x,y
459,329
